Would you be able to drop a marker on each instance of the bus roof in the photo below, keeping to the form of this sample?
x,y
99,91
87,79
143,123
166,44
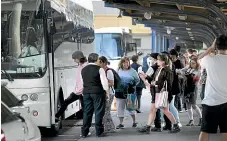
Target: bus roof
x,y
81,13
120,30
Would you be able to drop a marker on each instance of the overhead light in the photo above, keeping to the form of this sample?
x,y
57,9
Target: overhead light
x,y
188,29
147,15
168,31
177,38
182,17
189,32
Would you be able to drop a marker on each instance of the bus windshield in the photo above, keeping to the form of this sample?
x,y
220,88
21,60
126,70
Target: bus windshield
x,y
109,45
23,49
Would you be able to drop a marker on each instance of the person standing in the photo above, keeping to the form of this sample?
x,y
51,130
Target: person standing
x,y
178,82
96,91
214,104
141,85
79,58
107,120
129,79
191,90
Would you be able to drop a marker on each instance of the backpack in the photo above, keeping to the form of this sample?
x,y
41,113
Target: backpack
x,y
117,79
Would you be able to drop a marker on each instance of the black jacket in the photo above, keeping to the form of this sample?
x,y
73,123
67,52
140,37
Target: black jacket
x,y
165,75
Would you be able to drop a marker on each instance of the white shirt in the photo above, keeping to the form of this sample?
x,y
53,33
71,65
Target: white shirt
x,y
103,78
110,76
216,83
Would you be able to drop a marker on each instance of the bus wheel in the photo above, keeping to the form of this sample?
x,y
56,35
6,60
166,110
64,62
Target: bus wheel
x,y
55,128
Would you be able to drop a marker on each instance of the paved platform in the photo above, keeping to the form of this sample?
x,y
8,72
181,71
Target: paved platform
x,y
131,134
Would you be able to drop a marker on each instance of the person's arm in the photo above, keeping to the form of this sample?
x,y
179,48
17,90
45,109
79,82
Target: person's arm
x,y
135,76
169,79
208,51
110,77
104,81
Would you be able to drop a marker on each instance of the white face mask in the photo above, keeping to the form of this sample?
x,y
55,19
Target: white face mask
x,y
149,62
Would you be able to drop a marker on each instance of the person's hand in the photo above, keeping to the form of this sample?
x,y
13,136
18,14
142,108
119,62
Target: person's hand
x,y
147,84
153,83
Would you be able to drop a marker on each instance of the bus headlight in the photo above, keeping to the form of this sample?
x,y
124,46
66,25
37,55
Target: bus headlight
x,y
24,97
34,97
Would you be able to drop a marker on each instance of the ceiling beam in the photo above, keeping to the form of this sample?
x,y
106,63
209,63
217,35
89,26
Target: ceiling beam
x,y
208,4
177,32
167,11
199,24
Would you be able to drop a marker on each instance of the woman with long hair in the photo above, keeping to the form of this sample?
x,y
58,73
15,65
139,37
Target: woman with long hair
x,y
162,75
192,74
107,119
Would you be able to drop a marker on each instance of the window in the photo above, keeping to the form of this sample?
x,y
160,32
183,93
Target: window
x,y
138,42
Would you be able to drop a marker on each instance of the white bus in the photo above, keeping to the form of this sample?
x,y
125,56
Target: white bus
x,y
38,38
114,43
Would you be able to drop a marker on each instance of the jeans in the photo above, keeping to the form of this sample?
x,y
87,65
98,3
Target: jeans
x,y
72,97
93,103
159,115
173,109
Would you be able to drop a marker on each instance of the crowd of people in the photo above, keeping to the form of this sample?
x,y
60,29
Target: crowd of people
x,y
182,76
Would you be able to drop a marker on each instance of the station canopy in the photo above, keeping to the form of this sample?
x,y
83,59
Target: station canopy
x,y
190,22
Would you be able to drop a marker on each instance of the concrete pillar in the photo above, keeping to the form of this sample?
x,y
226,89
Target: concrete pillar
x,y
153,41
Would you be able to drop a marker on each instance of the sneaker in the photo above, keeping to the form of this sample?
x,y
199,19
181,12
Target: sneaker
x,y
84,136
134,125
120,126
179,124
156,129
200,122
181,111
145,129
138,111
165,128
176,129
190,123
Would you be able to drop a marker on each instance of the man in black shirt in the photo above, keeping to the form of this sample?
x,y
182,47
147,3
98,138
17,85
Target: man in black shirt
x,y
178,65
96,90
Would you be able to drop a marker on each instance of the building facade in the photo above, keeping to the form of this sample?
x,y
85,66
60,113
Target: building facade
x,y
109,17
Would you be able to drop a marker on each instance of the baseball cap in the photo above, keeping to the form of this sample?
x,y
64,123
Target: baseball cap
x,y
77,55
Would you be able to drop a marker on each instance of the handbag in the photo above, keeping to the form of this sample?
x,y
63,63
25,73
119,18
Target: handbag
x,y
161,98
131,104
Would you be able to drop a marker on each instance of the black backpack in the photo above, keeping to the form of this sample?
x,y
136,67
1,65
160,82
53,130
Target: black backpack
x,y
117,79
